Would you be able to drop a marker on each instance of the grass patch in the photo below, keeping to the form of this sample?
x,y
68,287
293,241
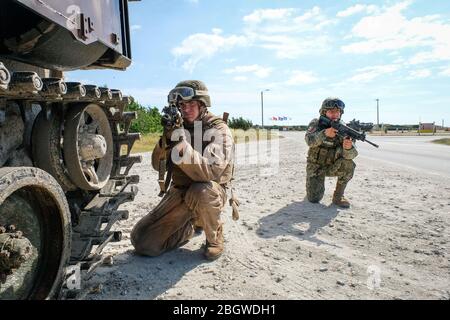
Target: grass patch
x,y
445,141
146,144
148,141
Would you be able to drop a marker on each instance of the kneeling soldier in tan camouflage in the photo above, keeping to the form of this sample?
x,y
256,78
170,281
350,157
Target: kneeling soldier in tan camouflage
x,y
329,155
199,167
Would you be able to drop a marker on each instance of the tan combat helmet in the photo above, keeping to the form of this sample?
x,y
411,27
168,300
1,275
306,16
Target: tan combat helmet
x,y
200,91
331,103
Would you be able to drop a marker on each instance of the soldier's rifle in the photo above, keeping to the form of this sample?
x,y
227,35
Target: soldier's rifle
x,y
343,130
171,119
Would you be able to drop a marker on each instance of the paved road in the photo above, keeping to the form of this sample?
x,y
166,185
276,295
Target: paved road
x,y
415,152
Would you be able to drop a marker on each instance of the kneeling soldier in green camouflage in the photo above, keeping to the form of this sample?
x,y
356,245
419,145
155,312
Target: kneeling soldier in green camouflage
x,y
329,155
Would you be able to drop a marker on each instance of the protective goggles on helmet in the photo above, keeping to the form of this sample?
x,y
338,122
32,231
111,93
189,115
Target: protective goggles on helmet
x,y
185,93
331,104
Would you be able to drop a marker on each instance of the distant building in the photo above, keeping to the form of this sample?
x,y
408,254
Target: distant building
x,y
426,126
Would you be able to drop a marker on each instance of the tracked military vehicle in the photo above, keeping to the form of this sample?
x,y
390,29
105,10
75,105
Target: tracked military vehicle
x,y
64,146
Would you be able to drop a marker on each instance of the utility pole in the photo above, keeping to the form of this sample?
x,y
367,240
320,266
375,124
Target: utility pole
x,y
442,124
378,112
262,107
420,124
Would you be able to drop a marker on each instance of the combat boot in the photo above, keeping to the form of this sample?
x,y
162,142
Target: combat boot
x,y
338,196
213,251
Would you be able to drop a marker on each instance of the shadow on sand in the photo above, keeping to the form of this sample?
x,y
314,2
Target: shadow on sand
x,y
300,219
141,277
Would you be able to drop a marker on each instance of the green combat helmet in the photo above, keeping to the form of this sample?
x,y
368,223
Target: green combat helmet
x,y
191,90
331,103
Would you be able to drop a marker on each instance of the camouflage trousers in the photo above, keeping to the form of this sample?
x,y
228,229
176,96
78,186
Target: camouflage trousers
x,y
316,173
171,223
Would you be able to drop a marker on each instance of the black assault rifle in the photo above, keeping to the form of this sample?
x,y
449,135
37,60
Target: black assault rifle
x,y
360,126
171,119
343,130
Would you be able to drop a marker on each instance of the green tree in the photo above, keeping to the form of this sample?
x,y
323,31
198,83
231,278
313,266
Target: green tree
x,y
148,118
240,123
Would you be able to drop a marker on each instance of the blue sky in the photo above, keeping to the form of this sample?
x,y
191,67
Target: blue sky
x,y
303,51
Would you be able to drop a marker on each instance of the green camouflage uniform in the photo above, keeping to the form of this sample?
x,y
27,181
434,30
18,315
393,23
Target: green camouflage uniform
x,y
326,158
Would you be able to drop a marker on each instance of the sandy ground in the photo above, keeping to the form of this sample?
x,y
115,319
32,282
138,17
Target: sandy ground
x,y
392,244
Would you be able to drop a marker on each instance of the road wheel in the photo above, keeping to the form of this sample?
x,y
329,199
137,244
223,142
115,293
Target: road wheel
x,y
34,234
47,146
88,146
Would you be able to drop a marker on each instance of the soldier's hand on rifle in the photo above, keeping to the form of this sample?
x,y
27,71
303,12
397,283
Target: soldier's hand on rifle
x,y
168,133
171,120
174,136
347,144
331,132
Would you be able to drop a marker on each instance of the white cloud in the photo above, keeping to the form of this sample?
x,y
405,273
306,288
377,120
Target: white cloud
x,y
311,15
259,71
270,21
200,46
357,9
445,71
369,73
391,30
289,47
438,53
288,32
240,78
135,27
420,74
399,60
284,31
301,77
260,15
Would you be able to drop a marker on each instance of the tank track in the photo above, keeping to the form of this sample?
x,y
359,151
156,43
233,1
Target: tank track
x,y
93,212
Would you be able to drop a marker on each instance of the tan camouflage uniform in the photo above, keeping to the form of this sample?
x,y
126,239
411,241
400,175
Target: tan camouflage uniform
x,y
326,158
196,197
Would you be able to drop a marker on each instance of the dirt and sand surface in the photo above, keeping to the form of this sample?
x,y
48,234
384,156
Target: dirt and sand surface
x,y
393,243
